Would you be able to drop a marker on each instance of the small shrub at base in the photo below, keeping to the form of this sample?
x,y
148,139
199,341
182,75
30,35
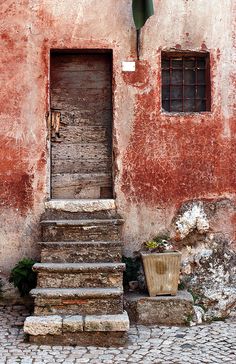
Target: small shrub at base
x,y
23,277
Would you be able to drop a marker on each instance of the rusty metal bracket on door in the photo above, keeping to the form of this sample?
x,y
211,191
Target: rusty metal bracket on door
x,y
53,122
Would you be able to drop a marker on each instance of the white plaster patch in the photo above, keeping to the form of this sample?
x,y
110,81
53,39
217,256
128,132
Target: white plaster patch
x,y
193,218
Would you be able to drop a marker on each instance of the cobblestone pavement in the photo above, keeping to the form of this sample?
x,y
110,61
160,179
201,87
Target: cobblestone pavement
x,y
214,343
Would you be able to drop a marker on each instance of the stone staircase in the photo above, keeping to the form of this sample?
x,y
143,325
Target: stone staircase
x,y
79,294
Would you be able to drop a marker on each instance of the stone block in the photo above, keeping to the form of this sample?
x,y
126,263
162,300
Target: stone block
x,y
80,306
72,324
160,310
75,252
79,280
43,325
79,301
78,275
107,323
81,230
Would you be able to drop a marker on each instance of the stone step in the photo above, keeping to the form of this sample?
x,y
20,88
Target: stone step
x,y
77,301
79,297
80,209
76,275
81,251
77,329
83,230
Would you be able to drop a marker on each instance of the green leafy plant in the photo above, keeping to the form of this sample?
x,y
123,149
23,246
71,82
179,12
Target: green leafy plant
x,y
181,286
23,277
158,245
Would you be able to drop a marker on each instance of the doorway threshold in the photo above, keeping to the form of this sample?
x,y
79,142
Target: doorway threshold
x,y
81,205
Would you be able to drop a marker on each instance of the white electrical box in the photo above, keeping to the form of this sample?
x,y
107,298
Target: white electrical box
x,y
128,66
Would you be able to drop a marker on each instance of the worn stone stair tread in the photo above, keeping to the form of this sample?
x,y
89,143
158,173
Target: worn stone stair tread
x,y
80,243
58,324
79,267
83,223
81,205
76,292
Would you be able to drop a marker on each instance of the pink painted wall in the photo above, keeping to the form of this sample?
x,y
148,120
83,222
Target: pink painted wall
x,y
162,160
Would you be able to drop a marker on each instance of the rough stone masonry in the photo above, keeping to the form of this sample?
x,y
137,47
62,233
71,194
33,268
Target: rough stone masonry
x,y
173,172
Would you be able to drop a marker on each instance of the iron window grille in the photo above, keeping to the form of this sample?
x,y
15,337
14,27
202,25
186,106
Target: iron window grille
x,y
185,82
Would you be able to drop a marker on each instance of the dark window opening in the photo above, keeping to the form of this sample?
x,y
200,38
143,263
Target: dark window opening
x,y
185,82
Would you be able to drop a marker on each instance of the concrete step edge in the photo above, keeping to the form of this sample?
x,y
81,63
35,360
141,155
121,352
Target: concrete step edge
x,y
76,292
81,222
93,244
79,267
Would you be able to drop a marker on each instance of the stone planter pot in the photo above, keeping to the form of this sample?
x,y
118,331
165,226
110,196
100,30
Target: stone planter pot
x,y
162,272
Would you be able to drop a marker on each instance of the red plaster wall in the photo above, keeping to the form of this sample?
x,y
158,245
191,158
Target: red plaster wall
x,y
162,160
171,159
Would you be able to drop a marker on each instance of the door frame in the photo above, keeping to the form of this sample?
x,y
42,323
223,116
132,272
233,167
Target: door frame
x,y
48,125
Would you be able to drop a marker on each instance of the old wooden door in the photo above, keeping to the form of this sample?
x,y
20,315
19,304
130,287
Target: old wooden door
x,y
81,125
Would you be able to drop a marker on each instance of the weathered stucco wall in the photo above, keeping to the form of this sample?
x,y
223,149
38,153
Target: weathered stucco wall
x,y
163,161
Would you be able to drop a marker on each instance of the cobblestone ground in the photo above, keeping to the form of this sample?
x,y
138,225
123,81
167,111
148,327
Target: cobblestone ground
x,y
214,343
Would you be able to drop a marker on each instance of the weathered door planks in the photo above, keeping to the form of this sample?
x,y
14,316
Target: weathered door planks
x,y
81,150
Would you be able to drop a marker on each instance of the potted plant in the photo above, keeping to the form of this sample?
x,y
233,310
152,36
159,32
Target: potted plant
x,y
161,267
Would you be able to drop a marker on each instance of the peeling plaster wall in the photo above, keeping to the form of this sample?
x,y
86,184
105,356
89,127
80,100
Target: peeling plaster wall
x,y
173,158
162,160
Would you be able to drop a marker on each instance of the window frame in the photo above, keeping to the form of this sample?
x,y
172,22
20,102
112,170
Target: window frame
x,y
185,54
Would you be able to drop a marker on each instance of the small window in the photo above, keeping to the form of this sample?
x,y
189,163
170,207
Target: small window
x,y
185,82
